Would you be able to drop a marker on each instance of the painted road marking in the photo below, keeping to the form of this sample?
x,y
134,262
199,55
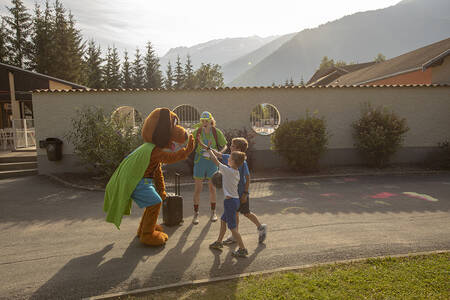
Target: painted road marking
x,y
421,196
383,195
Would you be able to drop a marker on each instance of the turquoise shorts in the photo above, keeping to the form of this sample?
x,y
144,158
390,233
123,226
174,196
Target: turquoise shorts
x,y
203,168
145,193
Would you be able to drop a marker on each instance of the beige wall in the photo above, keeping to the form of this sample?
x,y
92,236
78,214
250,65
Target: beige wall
x,y
53,85
426,109
441,74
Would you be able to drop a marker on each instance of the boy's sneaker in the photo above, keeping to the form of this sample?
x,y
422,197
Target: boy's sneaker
x,y
262,232
240,253
216,245
230,240
213,216
195,219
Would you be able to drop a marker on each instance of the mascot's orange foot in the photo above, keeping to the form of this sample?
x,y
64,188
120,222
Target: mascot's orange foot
x,y
157,238
157,228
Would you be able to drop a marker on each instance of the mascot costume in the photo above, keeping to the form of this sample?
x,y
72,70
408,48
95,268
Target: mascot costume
x,y
139,176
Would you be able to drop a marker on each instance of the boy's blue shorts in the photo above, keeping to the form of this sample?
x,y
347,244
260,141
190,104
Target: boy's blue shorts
x,y
145,193
230,206
204,168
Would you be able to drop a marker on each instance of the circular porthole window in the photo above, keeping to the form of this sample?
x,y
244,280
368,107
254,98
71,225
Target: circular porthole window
x,y
127,116
265,119
188,115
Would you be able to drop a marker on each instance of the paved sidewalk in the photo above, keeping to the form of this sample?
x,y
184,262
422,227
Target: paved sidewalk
x,y
56,244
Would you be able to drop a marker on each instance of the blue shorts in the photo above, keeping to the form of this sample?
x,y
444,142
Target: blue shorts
x,y
230,206
204,168
145,193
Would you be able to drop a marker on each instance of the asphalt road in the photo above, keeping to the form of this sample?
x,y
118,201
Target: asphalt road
x,y
56,244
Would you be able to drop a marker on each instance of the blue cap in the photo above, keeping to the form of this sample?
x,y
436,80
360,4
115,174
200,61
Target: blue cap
x,y
206,115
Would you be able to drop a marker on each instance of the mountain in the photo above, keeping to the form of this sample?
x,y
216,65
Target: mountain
x,y
394,30
238,66
218,51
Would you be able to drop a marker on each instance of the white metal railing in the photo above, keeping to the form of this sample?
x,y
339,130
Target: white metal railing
x,y
24,133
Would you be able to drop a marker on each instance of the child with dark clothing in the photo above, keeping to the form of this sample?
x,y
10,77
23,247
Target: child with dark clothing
x,y
230,180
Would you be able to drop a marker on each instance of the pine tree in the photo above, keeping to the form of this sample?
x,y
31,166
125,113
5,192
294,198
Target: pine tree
x,y
179,75
3,38
42,40
93,66
18,34
209,76
126,72
62,48
189,80
112,69
302,82
168,82
380,58
76,52
138,71
153,76
326,63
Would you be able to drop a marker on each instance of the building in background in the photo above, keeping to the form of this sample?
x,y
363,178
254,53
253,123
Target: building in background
x,y
426,65
16,86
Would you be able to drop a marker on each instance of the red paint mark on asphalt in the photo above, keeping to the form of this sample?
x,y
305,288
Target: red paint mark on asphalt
x,y
329,195
383,195
350,179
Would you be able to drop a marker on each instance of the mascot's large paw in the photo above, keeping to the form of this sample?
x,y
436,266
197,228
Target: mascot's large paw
x,y
157,227
156,238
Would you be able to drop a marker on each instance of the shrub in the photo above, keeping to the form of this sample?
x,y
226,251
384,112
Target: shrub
x,y
301,142
245,133
379,133
444,155
101,141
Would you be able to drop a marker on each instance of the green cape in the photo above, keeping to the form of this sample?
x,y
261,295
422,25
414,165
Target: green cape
x,y
122,183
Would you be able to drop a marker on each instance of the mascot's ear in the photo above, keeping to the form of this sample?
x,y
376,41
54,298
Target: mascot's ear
x,y
161,135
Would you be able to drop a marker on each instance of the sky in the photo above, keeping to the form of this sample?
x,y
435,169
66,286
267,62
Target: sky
x,y
173,23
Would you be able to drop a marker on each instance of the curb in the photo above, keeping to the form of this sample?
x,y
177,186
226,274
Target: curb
x,y
223,278
264,179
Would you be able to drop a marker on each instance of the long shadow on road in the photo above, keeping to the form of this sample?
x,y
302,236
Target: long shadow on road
x,y
177,261
84,274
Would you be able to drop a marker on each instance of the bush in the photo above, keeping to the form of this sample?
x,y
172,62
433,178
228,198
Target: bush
x,y
444,155
301,142
101,141
378,134
245,133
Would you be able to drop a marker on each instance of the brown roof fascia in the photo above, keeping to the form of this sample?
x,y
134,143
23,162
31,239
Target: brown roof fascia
x,y
436,61
36,74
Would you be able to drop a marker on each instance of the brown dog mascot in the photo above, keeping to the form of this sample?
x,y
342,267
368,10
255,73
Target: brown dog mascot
x,y
139,176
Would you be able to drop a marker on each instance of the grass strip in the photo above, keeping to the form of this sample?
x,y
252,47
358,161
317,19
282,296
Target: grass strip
x,y
415,277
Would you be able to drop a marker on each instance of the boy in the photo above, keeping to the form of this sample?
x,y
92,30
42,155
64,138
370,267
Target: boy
x,y
241,144
230,180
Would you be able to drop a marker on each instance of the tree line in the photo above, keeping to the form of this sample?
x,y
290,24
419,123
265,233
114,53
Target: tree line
x,y
49,42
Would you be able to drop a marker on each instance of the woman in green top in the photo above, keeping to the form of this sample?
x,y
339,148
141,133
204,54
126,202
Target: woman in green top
x,y
203,166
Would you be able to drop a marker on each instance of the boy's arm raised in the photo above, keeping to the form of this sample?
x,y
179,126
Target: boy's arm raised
x,y
213,157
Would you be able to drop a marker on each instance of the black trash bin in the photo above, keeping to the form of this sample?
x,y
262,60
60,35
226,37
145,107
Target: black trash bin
x,y
54,149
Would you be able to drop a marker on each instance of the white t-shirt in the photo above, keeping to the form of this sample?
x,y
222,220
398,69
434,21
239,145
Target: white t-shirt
x,y
230,180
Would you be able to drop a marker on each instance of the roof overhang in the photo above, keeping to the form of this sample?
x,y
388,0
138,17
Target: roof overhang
x,y
436,61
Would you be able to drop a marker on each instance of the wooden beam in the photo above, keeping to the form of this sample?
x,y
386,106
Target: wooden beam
x,y
15,106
